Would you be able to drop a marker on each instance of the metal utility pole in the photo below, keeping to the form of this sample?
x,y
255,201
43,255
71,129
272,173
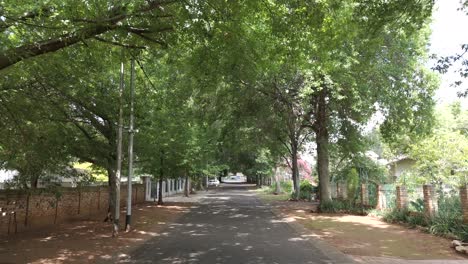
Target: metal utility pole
x,y
131,132
118,172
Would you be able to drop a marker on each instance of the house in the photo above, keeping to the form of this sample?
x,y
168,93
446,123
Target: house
x,y
399,166
69,177
5,176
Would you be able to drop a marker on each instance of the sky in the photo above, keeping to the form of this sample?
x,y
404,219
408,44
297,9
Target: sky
x,y
448,34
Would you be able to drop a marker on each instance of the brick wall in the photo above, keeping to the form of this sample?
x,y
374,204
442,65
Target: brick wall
x,y
20,210
430,200
401,197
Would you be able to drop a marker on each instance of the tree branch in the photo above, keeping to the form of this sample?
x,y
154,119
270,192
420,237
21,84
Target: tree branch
x,y
17,54
119,44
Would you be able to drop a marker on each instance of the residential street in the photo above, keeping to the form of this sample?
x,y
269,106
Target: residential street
x,y
231,225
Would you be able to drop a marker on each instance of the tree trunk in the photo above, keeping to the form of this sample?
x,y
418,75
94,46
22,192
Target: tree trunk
x,y
277,182
295,171
187,185
34,181
114,198
160,191
161,177
321,139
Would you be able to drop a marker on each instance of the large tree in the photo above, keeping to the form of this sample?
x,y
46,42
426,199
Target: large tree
x,y
39,27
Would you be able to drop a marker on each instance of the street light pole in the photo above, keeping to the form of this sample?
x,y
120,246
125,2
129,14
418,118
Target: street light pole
x,y
130,147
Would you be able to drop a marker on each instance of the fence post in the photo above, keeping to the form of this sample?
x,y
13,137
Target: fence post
x,y
464,202
364,194
402,197
430,200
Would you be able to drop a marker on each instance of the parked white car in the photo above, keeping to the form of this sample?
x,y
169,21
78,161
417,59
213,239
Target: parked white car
x,y
234,179
213,182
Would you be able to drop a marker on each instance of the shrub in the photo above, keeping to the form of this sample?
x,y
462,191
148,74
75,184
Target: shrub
x,y
396,215
449,219
333,206
417,206
341,206
417,219
286,187
447,222
306,190
352,183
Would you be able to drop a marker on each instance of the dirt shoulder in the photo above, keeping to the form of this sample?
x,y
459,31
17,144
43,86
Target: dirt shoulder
x,y
90,241
366,239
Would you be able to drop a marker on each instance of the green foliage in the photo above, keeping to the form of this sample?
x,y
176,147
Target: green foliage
x,y
447,222
342,206
396,216
306,186
306,189
238,85
417,206
286,187
417,219
440,158
352,183
449,219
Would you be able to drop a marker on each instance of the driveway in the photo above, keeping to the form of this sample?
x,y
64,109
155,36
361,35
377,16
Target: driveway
x,y
231,225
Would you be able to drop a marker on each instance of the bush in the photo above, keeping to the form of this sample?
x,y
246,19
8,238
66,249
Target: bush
x,y
352,183
396,216
341,206
286,187
447,222
417,206
449,219
306,190
417,219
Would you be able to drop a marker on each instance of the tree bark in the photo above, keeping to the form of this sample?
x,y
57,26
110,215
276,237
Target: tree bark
x,y
34,181
96,28
161,178
321,139
295,171
114,198
277,182
187,185
160,191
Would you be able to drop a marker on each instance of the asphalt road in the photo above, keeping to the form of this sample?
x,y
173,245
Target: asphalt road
x,y
231,226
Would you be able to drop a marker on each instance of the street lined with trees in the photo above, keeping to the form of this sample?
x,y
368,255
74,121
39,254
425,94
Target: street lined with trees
x,y
219,85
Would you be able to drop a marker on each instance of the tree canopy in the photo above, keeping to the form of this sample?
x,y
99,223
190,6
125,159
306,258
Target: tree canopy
x,y
221,85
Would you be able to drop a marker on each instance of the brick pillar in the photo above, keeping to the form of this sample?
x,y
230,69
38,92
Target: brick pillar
x,y
430,200
401,197
380,198
464,202
364,194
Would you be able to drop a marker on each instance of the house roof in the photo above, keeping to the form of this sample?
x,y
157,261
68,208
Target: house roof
x,y
400,158
6,175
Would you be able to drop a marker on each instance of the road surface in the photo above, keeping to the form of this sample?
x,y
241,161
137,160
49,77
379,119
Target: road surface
x,y
231,225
